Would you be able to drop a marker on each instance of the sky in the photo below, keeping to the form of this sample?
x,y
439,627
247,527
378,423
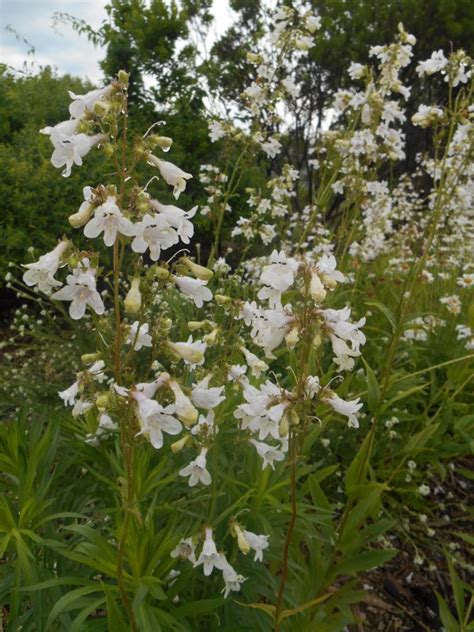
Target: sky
x,y
60,46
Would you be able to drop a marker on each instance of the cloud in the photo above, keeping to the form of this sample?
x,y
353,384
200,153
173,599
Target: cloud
x,y
60,47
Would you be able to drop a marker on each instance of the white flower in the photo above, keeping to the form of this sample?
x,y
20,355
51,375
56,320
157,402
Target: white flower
x,y
258,543
185,549
204,397
41,273
154,420
81,291
83,102
280,274
173,175
327,269
71,151
205,427
356,71
435,63
255,364
177,218
196,288
268,453
427,115
271,147
69,395
108,218
216,131
232,580
209,557
139,336
348,409
197,472
191,352
313,23
154,233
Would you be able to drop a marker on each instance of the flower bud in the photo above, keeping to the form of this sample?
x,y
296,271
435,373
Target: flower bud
x,y
163,142
161,273
292,337
284,426
200,272
194,325
293,417
221,299
210,339
184,408
236,531
133,300
103,400
123,77
108,149
101,108
316,288
317,340
82,216
89,358
186,351
177,446
253,58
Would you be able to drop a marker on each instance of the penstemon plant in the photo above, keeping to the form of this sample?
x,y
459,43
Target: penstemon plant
x,y
150,390
206,392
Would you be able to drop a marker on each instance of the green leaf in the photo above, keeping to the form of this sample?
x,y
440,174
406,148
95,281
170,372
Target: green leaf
x,y
67,601
420,439
386,311
373,389
447,619
357,471
365,561
115,620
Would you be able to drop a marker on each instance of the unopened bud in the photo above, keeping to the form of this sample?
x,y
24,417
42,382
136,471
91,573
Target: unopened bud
x,y
163,142
210,339
292,337
177,446
89,358
161,273
133,300
317,340
101,108
103,401
221,299
316,288
284,426
123,77
253,58
237,532
194,325
200,272
183,406
82,216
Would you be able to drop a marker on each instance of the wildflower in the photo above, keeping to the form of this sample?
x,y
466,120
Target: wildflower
x,y
280,273
138,336
232,579
268,453
453,303
434,64
258,543
177,219
155,420
108,218
41,273
348,409
173,175
154,233
427,115
191,352
424,490
197,472
205,397
196,288
69,395
85,102
209,556
81,291
185,549
254,363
